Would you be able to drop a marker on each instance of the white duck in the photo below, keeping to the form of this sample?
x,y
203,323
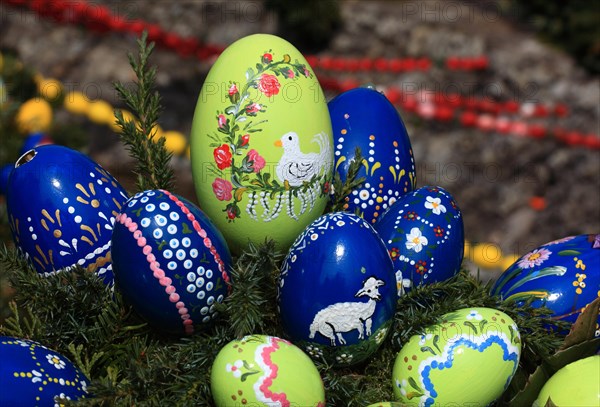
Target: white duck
x,y
296,167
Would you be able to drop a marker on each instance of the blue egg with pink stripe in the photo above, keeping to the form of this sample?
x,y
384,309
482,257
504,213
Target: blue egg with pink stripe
x,y
170,262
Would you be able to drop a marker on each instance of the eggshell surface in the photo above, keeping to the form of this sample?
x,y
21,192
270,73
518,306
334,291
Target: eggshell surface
x,y
469,358
364,118
337,292
261,143
171,263
577,384
261,370
33,375
61,209
424,234
563,275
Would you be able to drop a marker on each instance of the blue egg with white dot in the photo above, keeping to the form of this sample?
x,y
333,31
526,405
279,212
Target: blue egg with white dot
x,y
337,292
170,262
424,234
364,118
33,375
61,208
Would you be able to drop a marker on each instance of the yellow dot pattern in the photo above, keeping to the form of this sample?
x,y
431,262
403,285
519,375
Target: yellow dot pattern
x,y
41,378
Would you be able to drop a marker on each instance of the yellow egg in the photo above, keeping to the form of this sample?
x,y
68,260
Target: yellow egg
x,y
100,112
49,89
486,255
468,247
261,143
76,102
35,115
175,142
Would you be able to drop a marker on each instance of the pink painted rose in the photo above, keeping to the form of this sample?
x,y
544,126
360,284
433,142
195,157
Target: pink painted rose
x,y
222,156
269,85
290,74
258,162
222,120
222,189
253,108
233,89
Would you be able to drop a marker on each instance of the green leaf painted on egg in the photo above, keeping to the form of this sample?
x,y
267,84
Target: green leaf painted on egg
x,y
414,385
569,253
470,325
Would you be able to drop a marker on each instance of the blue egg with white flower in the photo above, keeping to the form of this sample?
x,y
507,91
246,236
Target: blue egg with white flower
x,y
61,209
33,375
170,262
364,118
562,275
424,234
337,293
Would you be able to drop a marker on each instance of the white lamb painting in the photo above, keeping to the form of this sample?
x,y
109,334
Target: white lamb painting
x,y
342,317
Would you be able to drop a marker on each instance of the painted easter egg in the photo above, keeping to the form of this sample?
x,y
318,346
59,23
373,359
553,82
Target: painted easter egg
x,y
33,375
261,146
424,234
562,275
577,384
386,404
61,208
35,140
170,261
5,171
337,294
468,358
261,370
364,118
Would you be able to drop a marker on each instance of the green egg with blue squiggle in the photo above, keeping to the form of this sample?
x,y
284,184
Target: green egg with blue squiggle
x,y
467,359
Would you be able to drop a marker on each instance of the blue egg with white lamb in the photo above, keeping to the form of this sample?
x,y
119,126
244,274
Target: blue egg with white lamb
x,y
337,291
365,118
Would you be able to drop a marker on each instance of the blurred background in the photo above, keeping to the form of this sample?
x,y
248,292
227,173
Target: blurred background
x,y
533,64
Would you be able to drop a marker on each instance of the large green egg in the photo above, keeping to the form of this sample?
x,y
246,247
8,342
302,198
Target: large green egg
x,y
577,384
261,143
467,359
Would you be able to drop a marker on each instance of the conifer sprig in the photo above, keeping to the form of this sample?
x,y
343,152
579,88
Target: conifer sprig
x,y
251,308
140,135
342,189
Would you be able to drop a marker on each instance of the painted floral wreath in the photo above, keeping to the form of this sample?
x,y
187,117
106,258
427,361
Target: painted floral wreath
x,y
235,125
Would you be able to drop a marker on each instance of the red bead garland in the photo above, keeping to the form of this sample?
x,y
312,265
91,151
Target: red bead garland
x,y
438,106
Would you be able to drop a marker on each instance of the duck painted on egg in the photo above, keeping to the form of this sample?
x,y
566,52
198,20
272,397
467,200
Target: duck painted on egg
x,y
261,146
563,275
365,118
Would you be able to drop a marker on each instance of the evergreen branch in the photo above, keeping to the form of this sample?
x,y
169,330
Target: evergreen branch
x,y
342,189
151,157
252,306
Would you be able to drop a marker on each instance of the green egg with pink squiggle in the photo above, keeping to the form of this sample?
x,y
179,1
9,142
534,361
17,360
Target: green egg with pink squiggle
x,y
261,370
